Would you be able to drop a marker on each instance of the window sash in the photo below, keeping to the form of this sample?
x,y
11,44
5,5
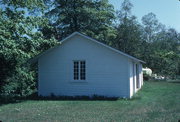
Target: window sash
x,y
82,70
76,70
79,70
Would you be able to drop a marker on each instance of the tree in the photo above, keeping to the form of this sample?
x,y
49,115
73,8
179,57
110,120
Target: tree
x,y
151,26
128,31
92,17
18,42
165,57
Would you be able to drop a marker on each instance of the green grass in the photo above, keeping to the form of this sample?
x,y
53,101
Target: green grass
x,y
156,101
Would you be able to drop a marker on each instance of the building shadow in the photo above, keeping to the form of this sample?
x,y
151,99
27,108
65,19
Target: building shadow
x,y
34,97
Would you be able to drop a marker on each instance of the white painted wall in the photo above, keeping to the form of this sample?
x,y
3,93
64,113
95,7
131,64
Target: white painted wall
x,y
132,85
131,81
141,74
107,72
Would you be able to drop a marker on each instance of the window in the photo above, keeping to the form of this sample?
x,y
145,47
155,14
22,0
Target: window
x,y
79,70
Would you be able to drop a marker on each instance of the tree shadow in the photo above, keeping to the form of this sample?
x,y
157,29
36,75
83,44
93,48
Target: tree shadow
x,y
34,97
9,100
175,81
73,98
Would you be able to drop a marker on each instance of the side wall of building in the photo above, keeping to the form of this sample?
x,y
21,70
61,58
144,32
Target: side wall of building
x,y
107,72
134,78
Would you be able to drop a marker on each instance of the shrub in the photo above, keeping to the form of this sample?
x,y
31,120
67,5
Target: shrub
x,y
21,84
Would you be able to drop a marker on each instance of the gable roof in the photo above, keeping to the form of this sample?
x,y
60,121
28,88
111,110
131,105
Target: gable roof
x,y
35,59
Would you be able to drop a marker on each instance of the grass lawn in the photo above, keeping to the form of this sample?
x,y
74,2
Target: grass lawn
x,y
156,102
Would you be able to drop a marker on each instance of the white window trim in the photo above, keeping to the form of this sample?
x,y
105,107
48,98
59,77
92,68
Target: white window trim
x,y
79,68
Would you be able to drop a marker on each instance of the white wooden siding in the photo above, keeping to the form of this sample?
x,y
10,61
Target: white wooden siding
x,y
107,72
132,77
131,81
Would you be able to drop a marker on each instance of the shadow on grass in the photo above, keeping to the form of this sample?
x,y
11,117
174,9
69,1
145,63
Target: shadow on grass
x,y
74,98
165,81
174,81
9,100
4,100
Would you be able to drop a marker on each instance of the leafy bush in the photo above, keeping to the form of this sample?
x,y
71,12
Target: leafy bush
x,y
21,84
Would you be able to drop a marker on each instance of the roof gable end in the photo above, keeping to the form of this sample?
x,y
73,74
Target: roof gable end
x,y
91,39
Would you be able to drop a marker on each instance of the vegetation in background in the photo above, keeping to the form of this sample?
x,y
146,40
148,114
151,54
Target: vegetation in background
x,y
30,27
91,17
128,38
18,43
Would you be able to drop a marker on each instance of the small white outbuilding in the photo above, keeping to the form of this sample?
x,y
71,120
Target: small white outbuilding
x,y
83,66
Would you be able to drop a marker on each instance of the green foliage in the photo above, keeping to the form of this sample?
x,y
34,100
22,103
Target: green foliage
x,y
151,27
163,55
21,83
150,41
19,41
129,33
92,17
168,60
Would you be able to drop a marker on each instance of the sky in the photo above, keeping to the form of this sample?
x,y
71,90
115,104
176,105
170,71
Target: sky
x,y
166,11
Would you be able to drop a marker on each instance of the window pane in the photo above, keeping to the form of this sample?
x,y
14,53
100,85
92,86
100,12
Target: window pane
x,y
76,70
82,70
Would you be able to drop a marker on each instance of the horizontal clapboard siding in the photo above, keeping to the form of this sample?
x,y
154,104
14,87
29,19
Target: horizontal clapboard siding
x,y
107,73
